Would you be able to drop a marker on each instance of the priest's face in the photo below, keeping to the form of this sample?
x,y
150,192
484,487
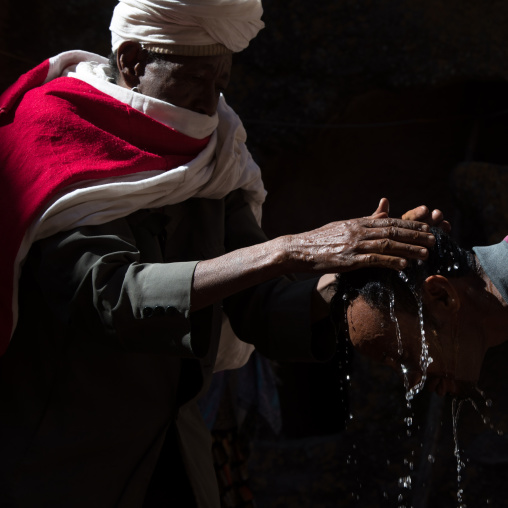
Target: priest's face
x,y
193,83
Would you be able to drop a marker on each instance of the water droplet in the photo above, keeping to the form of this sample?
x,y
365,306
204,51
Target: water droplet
x,y
431,459
405,482
488,403
403,276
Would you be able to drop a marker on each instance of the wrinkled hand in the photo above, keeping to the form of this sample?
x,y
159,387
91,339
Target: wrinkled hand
x,y
420,214
359,243
434,218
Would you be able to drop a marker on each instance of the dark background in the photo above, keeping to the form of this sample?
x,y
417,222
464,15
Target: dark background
x,y
347,101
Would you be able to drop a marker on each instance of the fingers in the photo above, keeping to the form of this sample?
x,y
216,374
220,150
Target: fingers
x,y
403,236
436,216
360,243
383,209
438,220
420,213
372,260
387,247
383,244
372,222
423,214
407,232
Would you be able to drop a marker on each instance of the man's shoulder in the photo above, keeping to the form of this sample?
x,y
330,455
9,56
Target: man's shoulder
x,y
494,261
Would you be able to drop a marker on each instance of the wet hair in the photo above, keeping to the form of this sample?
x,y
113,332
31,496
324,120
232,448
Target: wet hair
x,y
379,285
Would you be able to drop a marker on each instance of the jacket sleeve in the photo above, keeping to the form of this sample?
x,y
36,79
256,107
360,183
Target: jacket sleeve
x,y
94,280
275,315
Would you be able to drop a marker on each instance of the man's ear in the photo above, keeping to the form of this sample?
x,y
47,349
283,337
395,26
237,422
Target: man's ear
x,y
440,295
131,61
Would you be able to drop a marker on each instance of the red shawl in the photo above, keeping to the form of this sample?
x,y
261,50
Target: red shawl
x,y
56,134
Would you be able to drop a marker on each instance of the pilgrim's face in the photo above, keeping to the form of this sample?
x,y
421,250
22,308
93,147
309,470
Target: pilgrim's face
x,y
374,334
193,83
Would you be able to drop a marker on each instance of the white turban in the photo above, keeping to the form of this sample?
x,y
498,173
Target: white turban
x,y
199,23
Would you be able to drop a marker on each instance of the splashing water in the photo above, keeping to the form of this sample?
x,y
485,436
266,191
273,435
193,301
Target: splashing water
x,y
456,407
396,321
411,391
425,358
488,403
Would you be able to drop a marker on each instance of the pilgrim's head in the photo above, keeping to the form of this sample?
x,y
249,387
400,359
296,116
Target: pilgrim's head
x,y
181,51
444,301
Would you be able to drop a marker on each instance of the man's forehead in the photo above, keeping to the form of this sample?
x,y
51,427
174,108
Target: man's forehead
x,y
366,322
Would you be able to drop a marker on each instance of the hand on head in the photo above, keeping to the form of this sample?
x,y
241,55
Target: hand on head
x,y
359,243
383,316
434,218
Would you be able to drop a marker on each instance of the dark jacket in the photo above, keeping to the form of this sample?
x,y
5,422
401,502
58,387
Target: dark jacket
x,y
98,386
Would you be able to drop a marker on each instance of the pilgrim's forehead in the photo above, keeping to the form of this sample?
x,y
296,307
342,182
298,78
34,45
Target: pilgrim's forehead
x,y
366,322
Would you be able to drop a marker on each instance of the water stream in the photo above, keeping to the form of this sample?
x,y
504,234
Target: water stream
x,y
456,408
405,481
425,360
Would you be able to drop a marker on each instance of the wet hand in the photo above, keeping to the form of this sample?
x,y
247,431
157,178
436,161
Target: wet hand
x,y
423,214
420,214
359,243
382,210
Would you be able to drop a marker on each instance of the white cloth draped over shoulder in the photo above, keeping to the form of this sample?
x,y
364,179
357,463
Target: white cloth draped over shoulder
x,y
232,23
223,166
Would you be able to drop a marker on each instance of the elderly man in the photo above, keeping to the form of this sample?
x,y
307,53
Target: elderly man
x,y
462,297
131,214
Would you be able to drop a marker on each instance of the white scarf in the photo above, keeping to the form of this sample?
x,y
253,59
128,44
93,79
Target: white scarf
x,y
223,166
